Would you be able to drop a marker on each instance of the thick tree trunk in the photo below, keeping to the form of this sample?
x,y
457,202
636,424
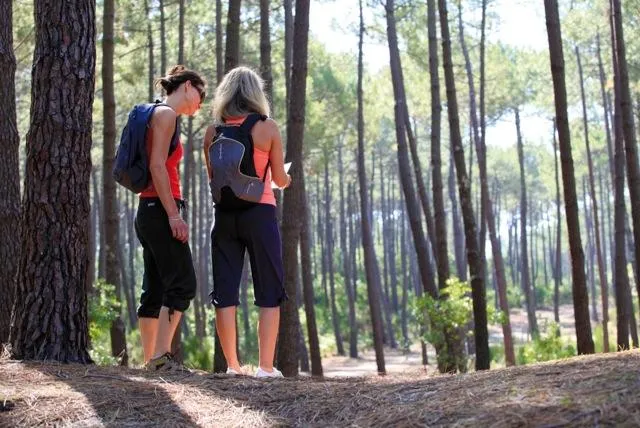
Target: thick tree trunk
x,y
527,290
370,260
293,200
9,173
232,48
596,221
580,295
51,309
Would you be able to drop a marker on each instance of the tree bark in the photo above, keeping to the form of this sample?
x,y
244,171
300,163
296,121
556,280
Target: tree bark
x,y
329,240
346,265
232,48
293,200
307,291
558,251
51,309
151,69
265,51
219,53
9,173
580,295
440,220
524,267
110,226
458,234
163,39
370,260
487,207
596,221
628,129
475,264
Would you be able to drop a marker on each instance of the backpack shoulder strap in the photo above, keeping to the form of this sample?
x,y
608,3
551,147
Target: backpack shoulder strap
x,y
250,121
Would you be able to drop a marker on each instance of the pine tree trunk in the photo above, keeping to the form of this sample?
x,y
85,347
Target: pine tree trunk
x,y
370,260
292,209
527,290
440,220
232,48
558,251
307,290
346,265
163,38
288,46
596,221
329,240
628,129
475,264
219,53
580,295
51,310
458,235
9,173
151,71
265,51
110,217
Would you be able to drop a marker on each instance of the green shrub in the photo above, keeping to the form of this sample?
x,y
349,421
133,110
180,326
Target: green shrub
x,y
450,313
103,309
545,348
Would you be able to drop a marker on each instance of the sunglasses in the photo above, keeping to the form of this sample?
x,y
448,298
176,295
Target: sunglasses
x,y
201,91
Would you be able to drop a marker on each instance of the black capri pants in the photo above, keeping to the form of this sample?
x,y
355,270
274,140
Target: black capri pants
x,y
256,231
169,277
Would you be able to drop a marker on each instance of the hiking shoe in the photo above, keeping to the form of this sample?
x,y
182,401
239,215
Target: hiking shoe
x,y
232,372
165,363
261,373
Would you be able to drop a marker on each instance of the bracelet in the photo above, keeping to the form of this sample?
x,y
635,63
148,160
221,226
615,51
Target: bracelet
x,y
175,218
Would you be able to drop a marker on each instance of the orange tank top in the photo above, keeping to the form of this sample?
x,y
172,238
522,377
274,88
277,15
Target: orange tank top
x,y
260,160
172,164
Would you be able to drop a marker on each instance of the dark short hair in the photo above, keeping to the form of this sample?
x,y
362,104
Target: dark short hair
x,y
176,76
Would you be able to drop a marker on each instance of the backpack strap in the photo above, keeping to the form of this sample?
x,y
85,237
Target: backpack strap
x,y
173,144
250,121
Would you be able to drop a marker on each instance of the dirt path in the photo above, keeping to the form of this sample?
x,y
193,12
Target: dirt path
x,y
399,362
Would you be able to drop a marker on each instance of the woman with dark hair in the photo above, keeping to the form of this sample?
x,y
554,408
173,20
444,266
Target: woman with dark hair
x,y
169,281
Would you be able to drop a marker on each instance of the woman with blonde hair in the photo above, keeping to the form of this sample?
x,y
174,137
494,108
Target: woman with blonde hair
x,y
244,154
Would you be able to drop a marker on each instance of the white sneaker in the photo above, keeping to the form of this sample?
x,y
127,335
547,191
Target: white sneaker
x,y
232,372
263,373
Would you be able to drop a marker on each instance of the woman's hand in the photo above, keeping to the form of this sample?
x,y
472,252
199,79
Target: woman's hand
x,y
179,228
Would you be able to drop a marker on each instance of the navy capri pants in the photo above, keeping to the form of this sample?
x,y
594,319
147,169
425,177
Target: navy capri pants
x,y
255,230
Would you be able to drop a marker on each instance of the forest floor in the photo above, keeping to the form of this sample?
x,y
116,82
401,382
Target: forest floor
x,y
597,390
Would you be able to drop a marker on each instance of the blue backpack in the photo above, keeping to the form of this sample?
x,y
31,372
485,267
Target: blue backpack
x,y
131,164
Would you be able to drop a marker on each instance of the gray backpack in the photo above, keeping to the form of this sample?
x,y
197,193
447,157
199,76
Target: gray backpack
x,y
235,184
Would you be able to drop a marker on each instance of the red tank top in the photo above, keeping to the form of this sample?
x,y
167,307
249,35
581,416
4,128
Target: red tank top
x,y
172,164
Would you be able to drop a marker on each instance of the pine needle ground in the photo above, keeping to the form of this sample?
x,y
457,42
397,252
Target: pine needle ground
x,y
599,390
